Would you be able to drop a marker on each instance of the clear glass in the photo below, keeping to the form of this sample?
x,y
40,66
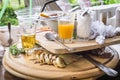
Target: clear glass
x,y
26,11
66,27
52,20
28,31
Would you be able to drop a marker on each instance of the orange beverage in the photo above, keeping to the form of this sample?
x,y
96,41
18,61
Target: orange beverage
x,y
65,30
66,27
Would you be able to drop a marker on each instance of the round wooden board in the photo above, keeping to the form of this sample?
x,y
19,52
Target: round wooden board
x,y
9,69
23,67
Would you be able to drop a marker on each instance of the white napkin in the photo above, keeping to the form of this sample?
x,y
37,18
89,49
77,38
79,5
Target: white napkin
x,y
1,51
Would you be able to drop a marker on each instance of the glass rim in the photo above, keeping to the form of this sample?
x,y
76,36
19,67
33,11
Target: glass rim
x,y
51,14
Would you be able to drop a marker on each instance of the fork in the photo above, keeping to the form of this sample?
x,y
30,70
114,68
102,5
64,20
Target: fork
x,y
10,40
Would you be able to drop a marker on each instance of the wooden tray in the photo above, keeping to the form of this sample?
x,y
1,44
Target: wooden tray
x,y
23,67
13,72
78,45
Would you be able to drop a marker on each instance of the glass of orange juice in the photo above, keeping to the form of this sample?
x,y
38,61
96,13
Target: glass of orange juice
x,y
66,27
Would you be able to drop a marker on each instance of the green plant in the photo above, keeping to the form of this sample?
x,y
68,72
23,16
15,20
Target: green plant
x,y
8,16
73,1
16,51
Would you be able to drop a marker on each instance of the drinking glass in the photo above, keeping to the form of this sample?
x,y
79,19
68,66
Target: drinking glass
x,y
52,20
28,31
66,27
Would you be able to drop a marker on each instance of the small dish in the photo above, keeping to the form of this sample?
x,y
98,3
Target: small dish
x,y
51,19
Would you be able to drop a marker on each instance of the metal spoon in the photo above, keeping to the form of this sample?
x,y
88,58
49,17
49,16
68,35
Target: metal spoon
x,y
107,70
51,37
9,30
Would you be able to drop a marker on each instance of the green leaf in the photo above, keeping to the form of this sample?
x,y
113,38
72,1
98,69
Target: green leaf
x,y
9,16
16,51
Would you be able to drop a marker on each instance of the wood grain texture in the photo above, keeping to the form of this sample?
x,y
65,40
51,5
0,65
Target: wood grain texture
x,y
78,45
82,69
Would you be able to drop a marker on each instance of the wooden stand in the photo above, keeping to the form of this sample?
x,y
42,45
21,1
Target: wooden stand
x,y
82,69
56,48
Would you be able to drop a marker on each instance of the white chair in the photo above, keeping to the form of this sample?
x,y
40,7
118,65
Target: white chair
x,y
51,6
117,17
107,12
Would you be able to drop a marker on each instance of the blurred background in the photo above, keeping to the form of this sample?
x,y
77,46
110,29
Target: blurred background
x,y
10,16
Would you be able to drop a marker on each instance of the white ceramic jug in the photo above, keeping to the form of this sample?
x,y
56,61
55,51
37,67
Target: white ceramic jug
x,y
83,26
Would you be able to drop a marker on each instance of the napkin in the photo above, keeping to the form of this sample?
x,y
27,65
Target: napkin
x,y
1,51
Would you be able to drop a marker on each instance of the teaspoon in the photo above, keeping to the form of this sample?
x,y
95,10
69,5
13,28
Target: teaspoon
x,y
109,71
9,30
51,37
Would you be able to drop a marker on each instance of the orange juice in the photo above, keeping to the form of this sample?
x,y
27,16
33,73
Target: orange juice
x,y
65,30
28,41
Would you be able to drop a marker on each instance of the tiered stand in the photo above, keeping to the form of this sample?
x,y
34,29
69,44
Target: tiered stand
x,y
82,69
